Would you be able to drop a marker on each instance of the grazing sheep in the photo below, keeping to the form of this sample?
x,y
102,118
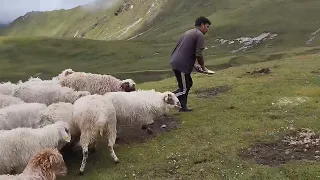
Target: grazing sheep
x,y
7,100
20,144
94,113
20,115
45,165
48,94
91,116
95,83
7,88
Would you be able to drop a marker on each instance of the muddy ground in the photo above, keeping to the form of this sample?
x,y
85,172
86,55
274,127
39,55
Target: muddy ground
x,y
212,92
127,135
302,144
259,72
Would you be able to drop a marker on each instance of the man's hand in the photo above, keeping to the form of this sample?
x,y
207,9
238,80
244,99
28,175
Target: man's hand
x,y
198,68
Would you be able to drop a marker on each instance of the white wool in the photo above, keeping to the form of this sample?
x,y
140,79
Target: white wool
x,y
60,111
141,106
20,115
20,144
88,110
96,83
38,81
7,100
7,88
93,117
48,94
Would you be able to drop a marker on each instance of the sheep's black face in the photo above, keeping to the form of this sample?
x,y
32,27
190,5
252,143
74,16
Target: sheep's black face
x,y
127,88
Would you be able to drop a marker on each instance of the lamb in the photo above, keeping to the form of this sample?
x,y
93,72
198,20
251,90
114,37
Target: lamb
x,y
21,115
7,100
91,116
47,94
95,83
46,164
20,144
94,113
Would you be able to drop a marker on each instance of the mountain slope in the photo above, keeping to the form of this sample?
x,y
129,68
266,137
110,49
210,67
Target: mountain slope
x,y
291,20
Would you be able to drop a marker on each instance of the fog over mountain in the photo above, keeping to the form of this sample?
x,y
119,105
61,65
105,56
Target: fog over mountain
x,y
12,9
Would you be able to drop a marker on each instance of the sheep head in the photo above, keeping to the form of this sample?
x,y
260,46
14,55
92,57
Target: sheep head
x,y
171,100
64,131
82,94
50,162
128,85
71,96
65,73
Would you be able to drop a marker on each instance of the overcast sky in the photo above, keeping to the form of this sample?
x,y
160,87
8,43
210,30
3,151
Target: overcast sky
x,y
12,9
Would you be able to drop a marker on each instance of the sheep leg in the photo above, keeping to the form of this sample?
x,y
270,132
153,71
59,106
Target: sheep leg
x,y
84,142
112,135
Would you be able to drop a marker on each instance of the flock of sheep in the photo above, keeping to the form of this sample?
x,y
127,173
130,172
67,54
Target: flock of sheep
x,y
40,117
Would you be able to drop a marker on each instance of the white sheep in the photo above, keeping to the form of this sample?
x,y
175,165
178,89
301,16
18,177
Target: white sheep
x,y
7,100
20,144
94,113
92,116
45,165
47,94
95,83
7,88
21,115
60,111
141,106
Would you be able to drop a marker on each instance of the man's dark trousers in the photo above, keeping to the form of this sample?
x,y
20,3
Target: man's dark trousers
x,y
184,83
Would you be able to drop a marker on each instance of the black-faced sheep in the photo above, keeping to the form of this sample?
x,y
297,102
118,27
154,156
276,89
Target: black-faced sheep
x,y
95,83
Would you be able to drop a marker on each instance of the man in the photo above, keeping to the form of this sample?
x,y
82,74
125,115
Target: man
x,y
189,48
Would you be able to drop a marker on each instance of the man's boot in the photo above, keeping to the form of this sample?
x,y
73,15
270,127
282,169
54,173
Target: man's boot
x,y
183,102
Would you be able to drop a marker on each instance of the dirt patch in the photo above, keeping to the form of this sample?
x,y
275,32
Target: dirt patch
x,y
127,135
212,92
302,144
261,71
316,72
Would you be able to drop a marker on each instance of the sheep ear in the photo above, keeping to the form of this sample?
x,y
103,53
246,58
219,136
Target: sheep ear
x,y
168,98
67,73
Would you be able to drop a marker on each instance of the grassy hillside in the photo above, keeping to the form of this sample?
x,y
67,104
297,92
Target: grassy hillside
x,y
21,58
292,20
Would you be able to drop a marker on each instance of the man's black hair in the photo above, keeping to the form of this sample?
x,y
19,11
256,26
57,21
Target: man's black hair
x,y
202,20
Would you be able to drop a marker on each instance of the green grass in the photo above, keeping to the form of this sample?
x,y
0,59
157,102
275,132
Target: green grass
x,y
207,143
144,61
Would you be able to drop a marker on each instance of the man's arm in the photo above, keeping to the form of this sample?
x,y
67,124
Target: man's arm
x,y
199,50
